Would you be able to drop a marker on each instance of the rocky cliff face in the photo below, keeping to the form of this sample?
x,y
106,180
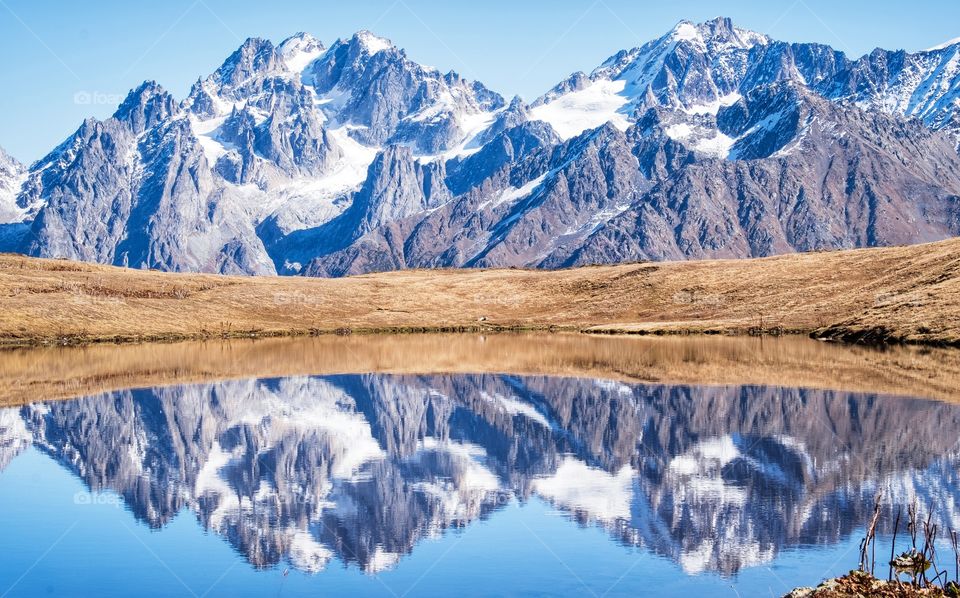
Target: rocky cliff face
x,y
711,141
385,461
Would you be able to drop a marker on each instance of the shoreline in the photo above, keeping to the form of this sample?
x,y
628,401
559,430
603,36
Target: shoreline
x,y
870,338
600,331
124,340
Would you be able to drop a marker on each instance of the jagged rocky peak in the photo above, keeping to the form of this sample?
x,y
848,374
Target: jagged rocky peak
x,y
717,36
398,186
9,166
372,85
505,146
146,106
201,101
347,58
244,74
255,56
516,113
575,82
719,30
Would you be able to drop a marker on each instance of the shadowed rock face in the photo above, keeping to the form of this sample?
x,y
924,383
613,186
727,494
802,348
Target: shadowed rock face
x,y
710,141
361,468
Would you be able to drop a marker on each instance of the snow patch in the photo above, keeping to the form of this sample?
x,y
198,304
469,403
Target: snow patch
x,y
299,203
206,133
299,61
372,43
14,435
717,146
472,124
210,482
714,106
614,386
474,474
679,131
512,194
587,108
698,473
686,32
944,45
350,172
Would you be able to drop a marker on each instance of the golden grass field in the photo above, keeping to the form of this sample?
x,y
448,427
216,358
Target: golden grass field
x,y
53,372
901,294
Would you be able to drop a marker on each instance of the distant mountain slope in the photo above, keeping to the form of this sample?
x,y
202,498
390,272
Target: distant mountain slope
x,y
711,141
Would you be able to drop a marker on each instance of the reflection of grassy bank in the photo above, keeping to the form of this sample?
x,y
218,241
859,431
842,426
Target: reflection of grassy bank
x,y
29,374
904,294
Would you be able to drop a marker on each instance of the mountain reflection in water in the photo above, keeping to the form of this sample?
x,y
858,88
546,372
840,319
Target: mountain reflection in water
x,y
360,468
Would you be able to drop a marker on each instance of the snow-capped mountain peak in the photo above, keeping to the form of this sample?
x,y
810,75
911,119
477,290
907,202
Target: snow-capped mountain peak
x,y
255,56
300,50
694,68
722,30
944,45
371,86
370,42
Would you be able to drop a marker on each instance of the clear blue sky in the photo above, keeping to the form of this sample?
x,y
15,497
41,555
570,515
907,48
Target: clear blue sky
x,y
53,51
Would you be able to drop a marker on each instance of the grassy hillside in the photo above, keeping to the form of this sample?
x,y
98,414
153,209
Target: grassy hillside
x,y
907,294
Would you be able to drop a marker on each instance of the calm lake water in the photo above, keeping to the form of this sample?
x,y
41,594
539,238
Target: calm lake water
x,y
469,484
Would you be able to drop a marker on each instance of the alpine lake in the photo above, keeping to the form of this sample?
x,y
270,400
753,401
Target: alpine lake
x,y
438,465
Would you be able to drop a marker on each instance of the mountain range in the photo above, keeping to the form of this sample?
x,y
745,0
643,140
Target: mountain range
x,y
300,158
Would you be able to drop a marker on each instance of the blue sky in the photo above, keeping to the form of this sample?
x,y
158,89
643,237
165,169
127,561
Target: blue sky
x,y
56,53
